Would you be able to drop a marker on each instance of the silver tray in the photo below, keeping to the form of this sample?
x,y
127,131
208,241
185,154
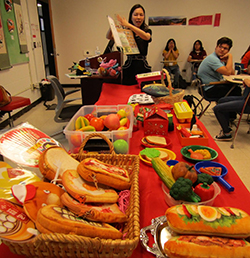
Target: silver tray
x,y
161,232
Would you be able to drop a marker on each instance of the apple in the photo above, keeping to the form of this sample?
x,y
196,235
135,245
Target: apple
x,y
112,122
121,146
89,116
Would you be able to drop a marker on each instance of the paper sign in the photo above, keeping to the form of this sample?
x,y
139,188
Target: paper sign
x,y
217,20
201,20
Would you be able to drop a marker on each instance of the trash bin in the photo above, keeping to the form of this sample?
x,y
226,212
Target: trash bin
x,y
47,91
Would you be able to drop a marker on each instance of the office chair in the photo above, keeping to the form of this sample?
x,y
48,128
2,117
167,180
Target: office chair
x,y
63,111
16,102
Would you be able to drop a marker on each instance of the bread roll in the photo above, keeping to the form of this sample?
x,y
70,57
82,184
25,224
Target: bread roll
x,y
207,220
93,170
205,247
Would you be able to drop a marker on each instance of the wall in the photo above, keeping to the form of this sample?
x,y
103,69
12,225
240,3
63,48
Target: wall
x,y
82,26
21,78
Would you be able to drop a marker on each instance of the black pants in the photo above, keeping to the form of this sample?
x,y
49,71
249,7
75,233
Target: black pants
x,y
132,67
220,90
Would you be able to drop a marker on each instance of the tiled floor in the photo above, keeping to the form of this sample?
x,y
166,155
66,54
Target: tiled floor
x,y
238,157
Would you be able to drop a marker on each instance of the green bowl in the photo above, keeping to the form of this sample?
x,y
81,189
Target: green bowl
x,y
186,153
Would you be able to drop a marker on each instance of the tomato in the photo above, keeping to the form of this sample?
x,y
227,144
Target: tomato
x,y
89,116
97,122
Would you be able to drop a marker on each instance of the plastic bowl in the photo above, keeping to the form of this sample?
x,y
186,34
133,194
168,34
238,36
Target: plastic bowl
x,y
186,153
171,201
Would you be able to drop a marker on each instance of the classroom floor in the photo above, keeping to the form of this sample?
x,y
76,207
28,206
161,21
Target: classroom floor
x,y
238,156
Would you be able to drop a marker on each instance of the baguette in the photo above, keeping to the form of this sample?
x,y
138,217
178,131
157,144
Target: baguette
x,y
207,220
204,247
52,218
93,170
55,158
101,212
86,192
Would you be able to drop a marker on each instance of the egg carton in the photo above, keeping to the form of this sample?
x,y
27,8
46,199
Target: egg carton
x,y
141,99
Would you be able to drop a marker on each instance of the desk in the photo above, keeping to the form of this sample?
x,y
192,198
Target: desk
x,y
239,78
152,203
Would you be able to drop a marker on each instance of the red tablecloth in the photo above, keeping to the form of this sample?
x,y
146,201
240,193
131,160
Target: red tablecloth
x,y
152,203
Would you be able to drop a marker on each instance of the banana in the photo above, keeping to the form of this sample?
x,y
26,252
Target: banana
x,y
87,128
81,121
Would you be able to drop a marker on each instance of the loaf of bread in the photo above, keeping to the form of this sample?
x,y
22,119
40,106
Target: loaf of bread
x,y
54,219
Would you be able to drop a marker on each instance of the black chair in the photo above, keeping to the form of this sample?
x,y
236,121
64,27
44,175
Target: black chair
x,y
202,92
239,67
63,111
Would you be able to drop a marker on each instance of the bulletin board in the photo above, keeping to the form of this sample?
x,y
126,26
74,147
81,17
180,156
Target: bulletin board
x,y
11,36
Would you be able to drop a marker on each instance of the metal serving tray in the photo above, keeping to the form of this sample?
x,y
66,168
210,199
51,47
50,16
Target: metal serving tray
x,y
161,232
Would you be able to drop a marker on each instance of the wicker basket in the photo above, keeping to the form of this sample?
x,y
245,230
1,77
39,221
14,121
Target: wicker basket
x,y
63,245
175,95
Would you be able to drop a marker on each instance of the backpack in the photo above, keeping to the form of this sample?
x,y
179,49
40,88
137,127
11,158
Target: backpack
x,y
5,96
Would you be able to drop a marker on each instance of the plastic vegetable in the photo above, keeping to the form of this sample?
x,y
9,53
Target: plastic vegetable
x,y
195,155
182,190
204,178
163,171
206,154
182,169
205,191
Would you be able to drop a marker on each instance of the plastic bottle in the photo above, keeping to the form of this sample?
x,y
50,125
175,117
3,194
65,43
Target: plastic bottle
x,y
97,51
87,64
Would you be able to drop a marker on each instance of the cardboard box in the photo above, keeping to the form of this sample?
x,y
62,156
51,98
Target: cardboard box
x,y
74,137
185,141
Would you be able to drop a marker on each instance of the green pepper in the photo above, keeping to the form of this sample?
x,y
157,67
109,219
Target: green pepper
x,y
205,191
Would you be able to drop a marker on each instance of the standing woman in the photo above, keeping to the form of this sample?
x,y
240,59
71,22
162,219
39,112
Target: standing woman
x,y
171,53
198,53
135,64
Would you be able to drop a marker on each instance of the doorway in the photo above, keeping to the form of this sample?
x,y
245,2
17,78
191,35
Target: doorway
x,y
46,37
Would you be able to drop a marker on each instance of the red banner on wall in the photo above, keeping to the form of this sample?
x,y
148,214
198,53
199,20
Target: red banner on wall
x,y
217,20
201,20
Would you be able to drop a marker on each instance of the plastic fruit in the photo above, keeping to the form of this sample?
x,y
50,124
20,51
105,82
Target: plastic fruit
x,y
89,116
121,146
76,139
98,123
112,122
125,122
87,128
81,121
121,113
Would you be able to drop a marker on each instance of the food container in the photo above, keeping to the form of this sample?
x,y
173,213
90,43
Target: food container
x,y
145,77
183,112
171,201
185,141
75,138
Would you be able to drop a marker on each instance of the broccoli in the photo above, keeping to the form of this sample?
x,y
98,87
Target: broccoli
x,y
182,190
203,178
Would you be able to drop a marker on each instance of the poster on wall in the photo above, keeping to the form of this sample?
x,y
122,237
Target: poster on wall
x,y
20,27
201,20
11,35
4,57
167,20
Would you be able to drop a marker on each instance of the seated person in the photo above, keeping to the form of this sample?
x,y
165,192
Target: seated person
x,y
171,53
198,53
245,57
214,66
248,67
228,105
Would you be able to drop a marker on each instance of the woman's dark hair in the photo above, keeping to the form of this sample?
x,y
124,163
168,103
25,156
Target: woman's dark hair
x,y
201,47
225,40
245,52
175,48
136,6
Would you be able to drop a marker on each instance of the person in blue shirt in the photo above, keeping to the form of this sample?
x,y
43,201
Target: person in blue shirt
x,y
214,66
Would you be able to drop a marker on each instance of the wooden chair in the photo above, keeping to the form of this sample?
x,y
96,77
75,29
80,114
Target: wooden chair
x,y
16,103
